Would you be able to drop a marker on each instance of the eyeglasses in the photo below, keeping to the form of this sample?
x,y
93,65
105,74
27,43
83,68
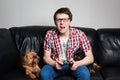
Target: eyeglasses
x,y
63,19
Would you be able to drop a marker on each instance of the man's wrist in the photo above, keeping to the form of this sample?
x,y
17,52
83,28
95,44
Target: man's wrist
x,y
54,63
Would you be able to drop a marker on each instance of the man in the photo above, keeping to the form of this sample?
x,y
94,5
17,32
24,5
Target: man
x,y
60,44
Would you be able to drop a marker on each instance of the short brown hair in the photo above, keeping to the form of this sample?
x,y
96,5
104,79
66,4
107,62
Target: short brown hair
x,y
65,11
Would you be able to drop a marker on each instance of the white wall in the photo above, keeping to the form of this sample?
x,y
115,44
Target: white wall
x,y
86,13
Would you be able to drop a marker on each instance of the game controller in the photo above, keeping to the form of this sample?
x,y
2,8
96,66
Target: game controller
x,y
70,63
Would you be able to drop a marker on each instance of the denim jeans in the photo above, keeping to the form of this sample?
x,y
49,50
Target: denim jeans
x,y
49,73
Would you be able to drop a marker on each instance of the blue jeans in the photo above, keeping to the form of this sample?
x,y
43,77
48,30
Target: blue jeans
x,y
49,73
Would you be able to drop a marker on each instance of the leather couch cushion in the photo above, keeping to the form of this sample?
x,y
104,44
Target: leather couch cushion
x,y
110,73
109,45
9,56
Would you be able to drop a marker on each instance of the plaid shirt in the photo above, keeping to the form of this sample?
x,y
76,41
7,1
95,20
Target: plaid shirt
x,y
77,39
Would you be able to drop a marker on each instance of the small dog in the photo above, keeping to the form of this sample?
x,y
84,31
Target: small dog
x,y
79,54
94,67
30,63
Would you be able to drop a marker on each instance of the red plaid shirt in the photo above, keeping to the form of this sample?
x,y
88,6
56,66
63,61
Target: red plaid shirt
x,y
77,39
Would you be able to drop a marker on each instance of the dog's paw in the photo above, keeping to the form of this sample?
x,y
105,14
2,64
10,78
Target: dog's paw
x,y
92,71
96,66
33,76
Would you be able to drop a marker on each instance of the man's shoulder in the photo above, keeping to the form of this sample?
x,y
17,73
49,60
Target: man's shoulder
x,y
52,31
76,30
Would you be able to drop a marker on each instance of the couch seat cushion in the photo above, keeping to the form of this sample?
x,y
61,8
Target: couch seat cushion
x,y
111,73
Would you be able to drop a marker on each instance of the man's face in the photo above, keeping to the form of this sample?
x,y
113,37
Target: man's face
x,y
62,22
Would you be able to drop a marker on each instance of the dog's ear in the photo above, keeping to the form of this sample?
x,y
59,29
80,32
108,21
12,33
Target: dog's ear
x,y
37,59
25,58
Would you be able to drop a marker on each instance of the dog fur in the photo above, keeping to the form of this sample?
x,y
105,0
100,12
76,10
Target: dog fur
x,y
94,67
30,63
79,54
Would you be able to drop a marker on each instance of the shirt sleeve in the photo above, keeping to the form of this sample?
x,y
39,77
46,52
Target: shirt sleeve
x,y
47,41
85,44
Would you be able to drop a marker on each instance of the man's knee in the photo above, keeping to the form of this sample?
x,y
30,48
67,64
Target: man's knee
x,y
82,73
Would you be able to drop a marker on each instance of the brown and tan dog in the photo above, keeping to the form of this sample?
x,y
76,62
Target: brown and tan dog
x,y
30,64
94,67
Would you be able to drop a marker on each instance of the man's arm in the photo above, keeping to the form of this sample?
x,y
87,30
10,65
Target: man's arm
x,y
88,59
47,58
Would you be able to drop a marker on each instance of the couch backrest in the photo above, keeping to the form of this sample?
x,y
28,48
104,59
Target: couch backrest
x,y
109,47
8,52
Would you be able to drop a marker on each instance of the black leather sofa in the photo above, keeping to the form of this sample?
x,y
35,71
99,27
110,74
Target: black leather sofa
x,y
105,45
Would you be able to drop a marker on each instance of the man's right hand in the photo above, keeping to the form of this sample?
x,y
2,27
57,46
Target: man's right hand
x,y
58,64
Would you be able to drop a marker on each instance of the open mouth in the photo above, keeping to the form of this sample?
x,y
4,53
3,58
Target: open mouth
x,y
62,27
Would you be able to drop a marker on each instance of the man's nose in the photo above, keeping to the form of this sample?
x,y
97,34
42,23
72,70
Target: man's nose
x,y
61,22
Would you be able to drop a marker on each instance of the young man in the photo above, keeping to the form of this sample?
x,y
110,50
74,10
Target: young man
x,y
59,45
